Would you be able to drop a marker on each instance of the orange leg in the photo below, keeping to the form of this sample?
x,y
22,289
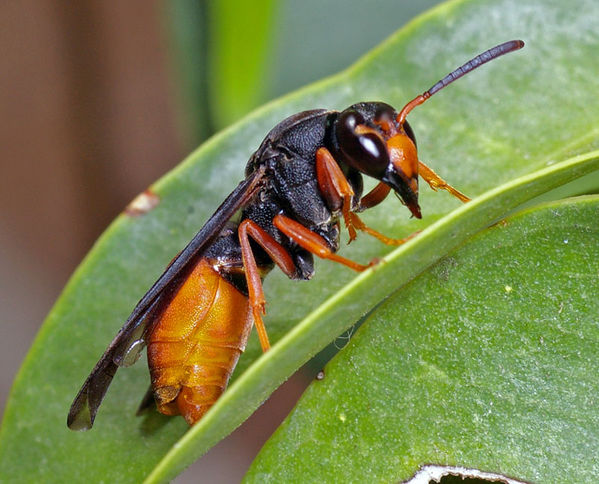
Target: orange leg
x,y
313,242
360,225
334,187
371,199
337,191
375,196
436,182
277,253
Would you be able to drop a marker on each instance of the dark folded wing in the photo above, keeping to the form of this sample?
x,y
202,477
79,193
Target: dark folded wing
x,y
126,347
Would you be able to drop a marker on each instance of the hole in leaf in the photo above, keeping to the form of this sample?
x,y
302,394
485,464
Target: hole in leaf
x,y
461,480
433,474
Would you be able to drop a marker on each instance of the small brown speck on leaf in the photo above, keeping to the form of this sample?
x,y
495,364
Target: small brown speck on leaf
x,y
142,204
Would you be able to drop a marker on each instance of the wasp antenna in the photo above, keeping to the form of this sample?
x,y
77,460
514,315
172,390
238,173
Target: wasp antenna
x,y
469,66
478,61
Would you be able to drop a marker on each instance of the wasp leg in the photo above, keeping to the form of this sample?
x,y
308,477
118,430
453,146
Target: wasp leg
x,y
371,199
338,193
436,182
360,225
313,242
334,187
277,253
374,196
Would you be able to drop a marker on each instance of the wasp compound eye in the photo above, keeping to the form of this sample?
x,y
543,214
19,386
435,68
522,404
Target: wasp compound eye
x,y
363,147
347,122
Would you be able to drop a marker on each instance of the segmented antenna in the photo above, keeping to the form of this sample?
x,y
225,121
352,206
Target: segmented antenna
x,y
469,66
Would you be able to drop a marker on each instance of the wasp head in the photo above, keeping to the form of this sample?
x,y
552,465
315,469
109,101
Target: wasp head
x,y
372,140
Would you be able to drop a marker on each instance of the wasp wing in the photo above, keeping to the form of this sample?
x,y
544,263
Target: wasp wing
x,y
126,347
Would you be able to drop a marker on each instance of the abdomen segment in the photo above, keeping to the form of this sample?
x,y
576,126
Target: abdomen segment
x,y
196,342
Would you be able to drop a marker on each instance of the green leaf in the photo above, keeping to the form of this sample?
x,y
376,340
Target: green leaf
x,y
488,360
240,49
510,118
352,302
221,55
186,23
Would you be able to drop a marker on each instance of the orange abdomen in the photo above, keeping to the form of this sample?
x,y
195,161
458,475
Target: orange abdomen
x,y
196,342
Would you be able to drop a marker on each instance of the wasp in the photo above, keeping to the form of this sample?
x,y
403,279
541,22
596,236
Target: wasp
x,y
306,176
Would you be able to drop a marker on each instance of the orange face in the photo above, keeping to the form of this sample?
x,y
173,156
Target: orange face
x,y
404,159
402,174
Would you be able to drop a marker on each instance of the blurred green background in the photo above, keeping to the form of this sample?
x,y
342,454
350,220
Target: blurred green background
x,y
253,52
101,98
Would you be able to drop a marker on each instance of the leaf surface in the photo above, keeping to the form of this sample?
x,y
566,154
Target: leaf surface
x,y
513,117
488,360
